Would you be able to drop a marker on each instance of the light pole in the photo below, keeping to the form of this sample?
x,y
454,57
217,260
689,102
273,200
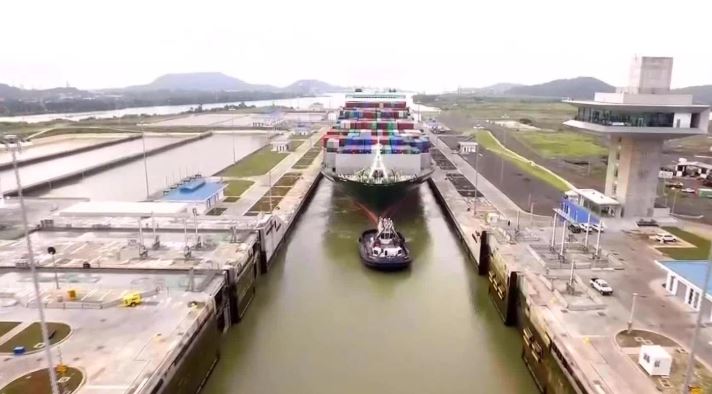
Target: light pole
x,y
145,162
52,251
674,200
632,314
9,141
691,359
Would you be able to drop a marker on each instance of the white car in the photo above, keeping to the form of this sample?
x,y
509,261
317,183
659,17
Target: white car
x,y
601,286
665,238
688,190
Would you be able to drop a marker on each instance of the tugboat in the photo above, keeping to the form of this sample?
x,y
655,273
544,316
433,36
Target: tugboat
x,y
384,248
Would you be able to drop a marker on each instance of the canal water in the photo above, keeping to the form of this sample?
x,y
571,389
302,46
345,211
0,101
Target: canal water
x,y
322,323
37,172
328,100
126,182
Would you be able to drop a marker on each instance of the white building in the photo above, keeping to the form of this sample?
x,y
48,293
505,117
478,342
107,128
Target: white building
x,y
280,145
467,147
655,360
637,120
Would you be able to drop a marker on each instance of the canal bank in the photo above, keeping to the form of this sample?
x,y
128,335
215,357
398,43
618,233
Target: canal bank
x,y
321,322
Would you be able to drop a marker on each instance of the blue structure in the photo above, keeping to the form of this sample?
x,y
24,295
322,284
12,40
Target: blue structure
x,y
575,213
685,280
203,194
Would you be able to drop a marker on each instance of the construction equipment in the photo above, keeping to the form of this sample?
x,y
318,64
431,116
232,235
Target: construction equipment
x,y
132,299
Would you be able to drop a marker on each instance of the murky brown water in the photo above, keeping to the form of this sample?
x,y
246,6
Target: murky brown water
x,y
322,323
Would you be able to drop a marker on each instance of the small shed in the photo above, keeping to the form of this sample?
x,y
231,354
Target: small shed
x,y
655,360
467,147
280,145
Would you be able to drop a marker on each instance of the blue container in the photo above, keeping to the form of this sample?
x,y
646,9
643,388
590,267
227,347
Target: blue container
x,y
18,350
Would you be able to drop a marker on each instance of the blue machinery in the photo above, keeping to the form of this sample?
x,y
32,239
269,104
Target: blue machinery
x,y
572,213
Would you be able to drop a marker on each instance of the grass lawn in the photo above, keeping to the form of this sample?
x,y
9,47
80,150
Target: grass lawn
x,y
257,163
489,142
236,188
561,143
6,326
32,335
462,111
37,382
699,252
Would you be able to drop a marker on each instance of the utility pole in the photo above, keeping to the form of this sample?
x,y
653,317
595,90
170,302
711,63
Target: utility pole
x,y
693,346
11,139
632,313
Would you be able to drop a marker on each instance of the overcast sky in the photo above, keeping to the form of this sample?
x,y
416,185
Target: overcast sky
x,y
432,46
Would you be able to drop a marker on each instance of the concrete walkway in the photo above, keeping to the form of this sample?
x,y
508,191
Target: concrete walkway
x,y
495,196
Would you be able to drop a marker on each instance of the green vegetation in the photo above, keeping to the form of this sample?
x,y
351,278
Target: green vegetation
x,y
236,188
561,144
699,252
257,163
489,142
32,335
461,111
37,382
6,326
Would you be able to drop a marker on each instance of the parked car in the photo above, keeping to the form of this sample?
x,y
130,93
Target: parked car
x,y
688,190
674,185
591,227
665,238
601,286
647,223
575,228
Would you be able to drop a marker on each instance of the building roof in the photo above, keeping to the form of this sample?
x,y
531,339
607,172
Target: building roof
x,y
692,271
124,209
699,164
197,190
655,351
596,197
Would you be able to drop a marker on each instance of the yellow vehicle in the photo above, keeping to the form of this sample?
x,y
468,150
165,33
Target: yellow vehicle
x,y
132,299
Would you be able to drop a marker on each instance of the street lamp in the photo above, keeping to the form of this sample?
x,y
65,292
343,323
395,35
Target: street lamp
x,y
52,251
632,312
13,144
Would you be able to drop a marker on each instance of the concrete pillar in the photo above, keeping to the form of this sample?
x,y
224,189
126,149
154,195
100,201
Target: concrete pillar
x,y
611,175
638,167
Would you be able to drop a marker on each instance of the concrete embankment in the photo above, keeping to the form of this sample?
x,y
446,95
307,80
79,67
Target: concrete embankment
x,y
495,254
48,184
52,156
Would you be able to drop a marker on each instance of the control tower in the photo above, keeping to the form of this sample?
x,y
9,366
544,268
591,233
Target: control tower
x,y
637,120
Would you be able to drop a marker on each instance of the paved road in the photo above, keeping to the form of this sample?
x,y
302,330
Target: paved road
x,y
655,309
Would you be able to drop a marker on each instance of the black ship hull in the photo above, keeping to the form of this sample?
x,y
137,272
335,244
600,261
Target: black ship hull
x,y
377,196
382,263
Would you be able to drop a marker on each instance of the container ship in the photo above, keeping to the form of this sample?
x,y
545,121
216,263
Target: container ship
x,y
375,151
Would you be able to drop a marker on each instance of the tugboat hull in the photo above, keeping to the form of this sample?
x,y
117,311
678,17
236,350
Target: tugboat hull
x,y
382,263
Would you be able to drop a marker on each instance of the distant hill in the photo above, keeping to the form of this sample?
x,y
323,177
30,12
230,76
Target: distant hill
x,y
576,88
491,90
702,93
312,86
204,82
